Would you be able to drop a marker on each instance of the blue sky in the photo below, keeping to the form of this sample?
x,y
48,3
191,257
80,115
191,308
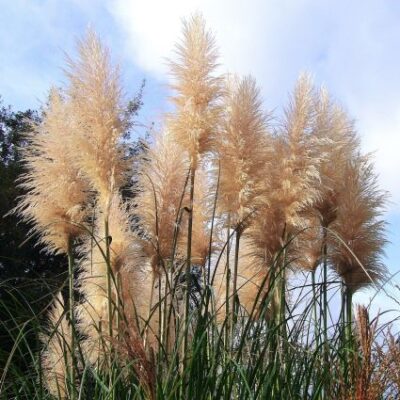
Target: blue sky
x,y
350,47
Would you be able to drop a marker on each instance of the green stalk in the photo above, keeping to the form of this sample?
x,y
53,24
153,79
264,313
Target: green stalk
x,y
342,317
282,288
153,281
325,290
348,341
212,226
349,317
109,274
227,291
227,342
120,304
188,266
235,298
325,307
71,313
160,316
167,293
110,305
316,324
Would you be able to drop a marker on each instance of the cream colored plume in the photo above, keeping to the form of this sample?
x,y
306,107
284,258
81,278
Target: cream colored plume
x,y
162,188
296,182
305,251
56,356
338,144
99,121
292,184
194,123
128,268
243,151
57,194
356,245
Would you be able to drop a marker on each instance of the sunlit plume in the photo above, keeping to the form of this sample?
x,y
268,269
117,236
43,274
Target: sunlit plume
x,y
243,152
97,105
127,263
56,355
194,123
162,188
356,245
57,194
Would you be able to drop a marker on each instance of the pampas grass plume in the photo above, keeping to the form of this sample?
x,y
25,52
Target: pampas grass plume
x,y
56,193
243,151
161,187
56,356
126,261
194,123
357,247
99,121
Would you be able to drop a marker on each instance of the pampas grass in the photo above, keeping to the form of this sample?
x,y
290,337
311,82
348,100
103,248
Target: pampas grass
x,y
162,185
243,152
98,107
130,280
56,356
197,89
358,240
56,208
221,184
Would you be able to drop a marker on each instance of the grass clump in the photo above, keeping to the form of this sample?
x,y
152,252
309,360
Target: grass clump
x,y
219,279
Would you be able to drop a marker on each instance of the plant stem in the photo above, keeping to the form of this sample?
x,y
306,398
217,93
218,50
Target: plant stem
x,y
188,266
325,306
109,274
316,324
71,263
349,317
282,288
235,299
212,226
325,291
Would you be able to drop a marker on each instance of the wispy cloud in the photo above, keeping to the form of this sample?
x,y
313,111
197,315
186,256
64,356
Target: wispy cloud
x,y
33,38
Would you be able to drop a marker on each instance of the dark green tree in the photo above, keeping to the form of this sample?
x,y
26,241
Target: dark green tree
x,y
20,258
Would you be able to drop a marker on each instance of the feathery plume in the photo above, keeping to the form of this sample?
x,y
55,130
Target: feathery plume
x,y
197,90
242,151
162,189
357,247
56,356
298,177
126,261
293,177
99,120
306,250
56,193
201,219
338,143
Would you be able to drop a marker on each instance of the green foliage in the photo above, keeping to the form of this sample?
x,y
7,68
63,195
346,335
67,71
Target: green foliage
x,y
19,259
255,360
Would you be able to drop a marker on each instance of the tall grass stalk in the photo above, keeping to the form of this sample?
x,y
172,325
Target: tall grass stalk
x,y
235,298
71,316
109,277
188,265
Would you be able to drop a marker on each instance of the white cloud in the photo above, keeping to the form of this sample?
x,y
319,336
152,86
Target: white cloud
x,y
349,46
